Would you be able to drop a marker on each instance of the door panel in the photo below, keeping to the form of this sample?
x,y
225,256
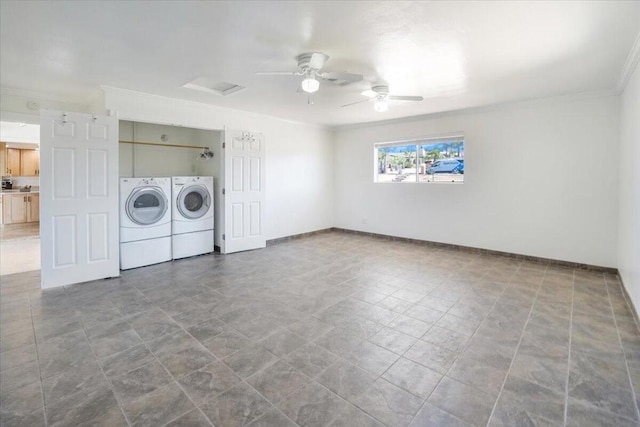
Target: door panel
x,y
63,173
237,175
255,226
244,191
98,237
99,178
79,197
64,232
254,174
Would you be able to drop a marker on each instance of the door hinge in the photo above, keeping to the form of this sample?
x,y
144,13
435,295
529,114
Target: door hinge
x,y
223,237
223,191
224,144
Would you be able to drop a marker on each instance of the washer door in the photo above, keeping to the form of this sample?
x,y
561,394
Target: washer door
x,y
194,201
146,205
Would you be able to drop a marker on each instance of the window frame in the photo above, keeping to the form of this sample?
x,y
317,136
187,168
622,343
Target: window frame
x,y
417,142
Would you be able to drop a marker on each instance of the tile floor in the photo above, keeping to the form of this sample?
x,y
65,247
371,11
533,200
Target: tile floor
x,y
19,247
28,230
330,330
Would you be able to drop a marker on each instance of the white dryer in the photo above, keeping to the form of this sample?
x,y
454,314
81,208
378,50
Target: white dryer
x,y
145,221
192,222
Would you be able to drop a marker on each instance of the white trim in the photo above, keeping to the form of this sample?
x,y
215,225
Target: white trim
x,y
499,106
216,109
630,65
11,116
40,96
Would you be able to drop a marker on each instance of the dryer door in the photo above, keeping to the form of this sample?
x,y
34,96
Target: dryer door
x,y
146,205
194,201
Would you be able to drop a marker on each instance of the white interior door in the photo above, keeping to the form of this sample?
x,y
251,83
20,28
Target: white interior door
x,y
78,197
243,192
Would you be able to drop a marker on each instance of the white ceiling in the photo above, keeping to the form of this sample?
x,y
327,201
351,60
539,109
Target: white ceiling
x,y
455,54
19,132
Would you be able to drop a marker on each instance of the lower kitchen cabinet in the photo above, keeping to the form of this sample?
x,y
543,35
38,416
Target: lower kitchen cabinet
x,y
18,208
33,208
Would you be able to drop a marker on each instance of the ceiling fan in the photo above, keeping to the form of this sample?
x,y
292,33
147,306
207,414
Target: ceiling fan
x,y
309,66
380,94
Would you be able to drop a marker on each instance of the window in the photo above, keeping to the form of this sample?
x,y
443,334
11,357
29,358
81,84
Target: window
x,y
425,160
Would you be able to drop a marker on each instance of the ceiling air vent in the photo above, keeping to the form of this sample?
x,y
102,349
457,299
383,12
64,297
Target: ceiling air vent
x,y
219,88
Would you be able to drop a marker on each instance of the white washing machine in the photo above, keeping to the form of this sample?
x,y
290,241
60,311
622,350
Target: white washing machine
x,y
145,221
192,222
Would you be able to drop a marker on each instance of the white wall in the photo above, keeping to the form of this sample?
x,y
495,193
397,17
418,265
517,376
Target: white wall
x,y
21,181
540,180
15,105
299,168
629,189
150,160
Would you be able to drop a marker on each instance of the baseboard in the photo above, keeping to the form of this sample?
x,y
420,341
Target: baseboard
x,y
539,260
297,236
470,249
630,304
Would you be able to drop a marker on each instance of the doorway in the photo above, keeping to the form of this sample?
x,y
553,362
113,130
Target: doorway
x,y
20,197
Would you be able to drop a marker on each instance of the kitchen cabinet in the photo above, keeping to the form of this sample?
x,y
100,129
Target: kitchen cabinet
x,y
20,207
29,163
15,208
3,158
13,161
33,208
20,161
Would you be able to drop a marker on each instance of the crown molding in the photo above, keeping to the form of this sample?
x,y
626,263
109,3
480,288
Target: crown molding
x,y
521,103
41,96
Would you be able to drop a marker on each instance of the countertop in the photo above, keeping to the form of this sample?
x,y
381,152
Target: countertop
x,y
16,191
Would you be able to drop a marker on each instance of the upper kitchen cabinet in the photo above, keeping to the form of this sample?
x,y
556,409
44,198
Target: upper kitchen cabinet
x,y
29,162
19,161
3,158
13,162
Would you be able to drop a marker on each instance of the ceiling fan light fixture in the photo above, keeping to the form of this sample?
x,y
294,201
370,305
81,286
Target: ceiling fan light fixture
x,y
310,84
381,106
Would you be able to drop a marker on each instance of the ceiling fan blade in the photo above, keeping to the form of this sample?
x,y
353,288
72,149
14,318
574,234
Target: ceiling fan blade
x,y
278,73
317,60
370,93
357,102
405,98
342,77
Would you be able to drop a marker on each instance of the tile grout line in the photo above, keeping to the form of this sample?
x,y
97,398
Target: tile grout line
x,y
342,359
445,375
243,380
515,353
365,339
566,389
174,380
156,306
35,342
171,375
624,353
97,359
